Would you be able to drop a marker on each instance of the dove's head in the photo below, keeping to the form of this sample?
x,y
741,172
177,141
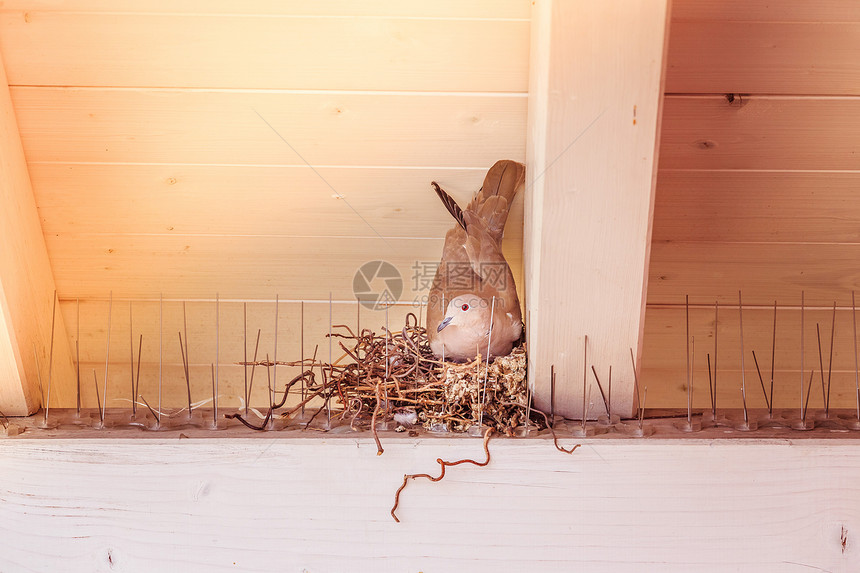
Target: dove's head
x,y
467,311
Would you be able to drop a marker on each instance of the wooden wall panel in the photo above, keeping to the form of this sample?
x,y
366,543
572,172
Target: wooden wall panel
x,y
264,52
252,200
213,127
763,206
765,11
763,271
244,267
444,9
760,132
764,57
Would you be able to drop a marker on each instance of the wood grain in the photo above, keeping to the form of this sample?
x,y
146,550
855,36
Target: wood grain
x,y
760,132
251,200
742,207
449,9
765,11
199,50
764,57
763,271
181,126
588,223
220,505
89,266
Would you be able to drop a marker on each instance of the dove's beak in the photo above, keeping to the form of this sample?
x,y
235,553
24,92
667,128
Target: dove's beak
x,y
444,323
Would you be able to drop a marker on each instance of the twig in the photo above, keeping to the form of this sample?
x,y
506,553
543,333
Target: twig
x,y
487,434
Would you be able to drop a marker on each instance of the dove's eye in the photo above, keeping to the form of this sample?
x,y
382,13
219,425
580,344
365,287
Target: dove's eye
x,y
464,308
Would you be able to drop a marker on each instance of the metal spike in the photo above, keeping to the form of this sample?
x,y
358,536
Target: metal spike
x,y
743,369
78,352
830,362
275,364
107,357
584,378
856,363
689,372
487,369
187,357
772,361
98,400
802,347
217,351
131,357
160,353
302,329
245,350
51,354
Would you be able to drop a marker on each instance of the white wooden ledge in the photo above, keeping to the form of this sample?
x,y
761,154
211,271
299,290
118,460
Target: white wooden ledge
x,y
317,505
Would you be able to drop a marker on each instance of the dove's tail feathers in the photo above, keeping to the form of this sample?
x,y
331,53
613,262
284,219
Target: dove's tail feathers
x,y
494,200
450,204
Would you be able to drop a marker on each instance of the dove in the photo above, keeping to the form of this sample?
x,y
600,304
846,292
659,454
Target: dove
x,y
474,285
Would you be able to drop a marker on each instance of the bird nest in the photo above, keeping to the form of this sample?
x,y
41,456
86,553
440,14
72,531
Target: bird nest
x,y
394,378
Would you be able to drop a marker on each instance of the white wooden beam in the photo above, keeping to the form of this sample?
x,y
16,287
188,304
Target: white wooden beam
x,y
594,109
26,285
264,504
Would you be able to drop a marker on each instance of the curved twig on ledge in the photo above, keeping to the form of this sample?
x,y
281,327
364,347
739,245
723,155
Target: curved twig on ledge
x,y
444,464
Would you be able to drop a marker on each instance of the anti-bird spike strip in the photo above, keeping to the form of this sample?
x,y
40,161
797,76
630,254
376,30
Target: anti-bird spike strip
x,y
396,363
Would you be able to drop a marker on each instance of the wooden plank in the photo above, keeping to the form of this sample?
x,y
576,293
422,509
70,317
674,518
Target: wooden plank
x,y
249,267
765,11
759,132
26,282
731,206
146,126
664,362
264,52
220,505
588,224
251,200
764,271
764,58
453,9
